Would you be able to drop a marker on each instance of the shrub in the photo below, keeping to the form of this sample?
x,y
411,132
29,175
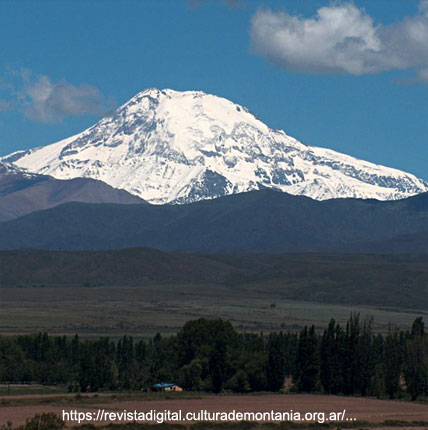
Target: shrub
x,y
44,421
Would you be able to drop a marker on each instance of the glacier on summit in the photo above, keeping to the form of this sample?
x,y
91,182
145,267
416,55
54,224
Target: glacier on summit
x,y
167,146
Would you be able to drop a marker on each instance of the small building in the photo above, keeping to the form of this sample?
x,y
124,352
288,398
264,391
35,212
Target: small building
x,y
166,386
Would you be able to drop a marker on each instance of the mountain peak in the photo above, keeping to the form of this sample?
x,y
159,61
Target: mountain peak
x,y
183,146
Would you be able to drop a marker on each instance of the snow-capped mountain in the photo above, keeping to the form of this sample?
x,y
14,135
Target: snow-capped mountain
x,y
170,146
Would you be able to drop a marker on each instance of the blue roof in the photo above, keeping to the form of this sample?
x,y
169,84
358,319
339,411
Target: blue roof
x,y
164,385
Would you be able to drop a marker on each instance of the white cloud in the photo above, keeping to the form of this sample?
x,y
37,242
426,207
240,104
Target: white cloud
x,y
341,39
45,101
48,102
423,75
423,7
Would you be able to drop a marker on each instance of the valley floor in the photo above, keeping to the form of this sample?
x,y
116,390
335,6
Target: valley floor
x,y
144,311
369,413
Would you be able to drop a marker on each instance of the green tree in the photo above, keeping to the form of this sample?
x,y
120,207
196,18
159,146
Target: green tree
x,y
366,366
350,354
217,366
307,360
190,375
254,364
213,340
416,360
331,359
240,383
12,361
392,361
276,363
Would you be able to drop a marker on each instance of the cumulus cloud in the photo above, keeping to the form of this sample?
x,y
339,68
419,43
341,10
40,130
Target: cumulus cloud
x,y
341,38
423,7
45,101
423,75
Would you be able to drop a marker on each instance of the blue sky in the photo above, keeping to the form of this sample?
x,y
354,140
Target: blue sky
x,y
352,77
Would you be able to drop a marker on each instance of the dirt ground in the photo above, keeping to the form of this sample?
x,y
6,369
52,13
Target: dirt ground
x,y
362,409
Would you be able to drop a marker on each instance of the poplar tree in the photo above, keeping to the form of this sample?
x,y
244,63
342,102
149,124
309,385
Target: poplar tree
x,y
392,359
331,362
276,363
307,360
416,360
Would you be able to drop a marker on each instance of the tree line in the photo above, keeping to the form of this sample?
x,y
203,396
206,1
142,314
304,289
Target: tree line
x,y
210,355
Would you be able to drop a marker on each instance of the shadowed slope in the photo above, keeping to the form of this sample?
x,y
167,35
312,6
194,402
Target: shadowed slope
x,y
22,193
262,221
